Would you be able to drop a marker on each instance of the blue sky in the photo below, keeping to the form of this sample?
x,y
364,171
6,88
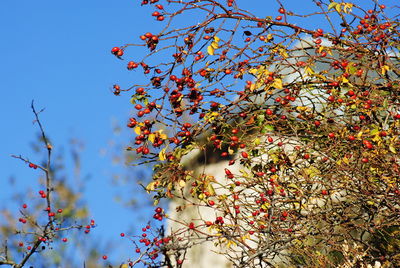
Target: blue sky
x,y
58,54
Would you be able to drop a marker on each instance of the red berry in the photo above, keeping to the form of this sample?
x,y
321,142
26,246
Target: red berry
x,y
114,50
158,210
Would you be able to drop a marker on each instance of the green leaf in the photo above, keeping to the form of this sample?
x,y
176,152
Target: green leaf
x,y
268,128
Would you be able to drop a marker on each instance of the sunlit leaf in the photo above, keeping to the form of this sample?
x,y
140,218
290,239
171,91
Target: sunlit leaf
x,y
332,5
161,154
347,7
214,45
152,137
210,50
384,69
277,83
137,130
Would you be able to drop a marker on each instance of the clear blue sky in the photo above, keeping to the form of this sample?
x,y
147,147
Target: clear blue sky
x,y
57,53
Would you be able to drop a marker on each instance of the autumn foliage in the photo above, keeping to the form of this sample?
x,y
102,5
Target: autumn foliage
x,y
303,121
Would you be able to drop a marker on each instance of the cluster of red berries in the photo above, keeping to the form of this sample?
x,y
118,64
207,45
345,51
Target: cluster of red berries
x,y
158,214
34,166
117,51
145,2
151,40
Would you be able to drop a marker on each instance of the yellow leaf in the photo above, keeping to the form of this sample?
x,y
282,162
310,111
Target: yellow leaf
x,y
211,189
269,37
182,183
253,71
245,237
161,154
338,8
230,243
384,69
392,149
164,136
309,71
210,50
283,53
332,5
311,171
216,39
214,45
265,73
151,186
303,109
347,7
277,83
152,137
265,206
137,130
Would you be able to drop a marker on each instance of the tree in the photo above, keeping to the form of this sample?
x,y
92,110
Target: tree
x,y
276,142
305,119
37,232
